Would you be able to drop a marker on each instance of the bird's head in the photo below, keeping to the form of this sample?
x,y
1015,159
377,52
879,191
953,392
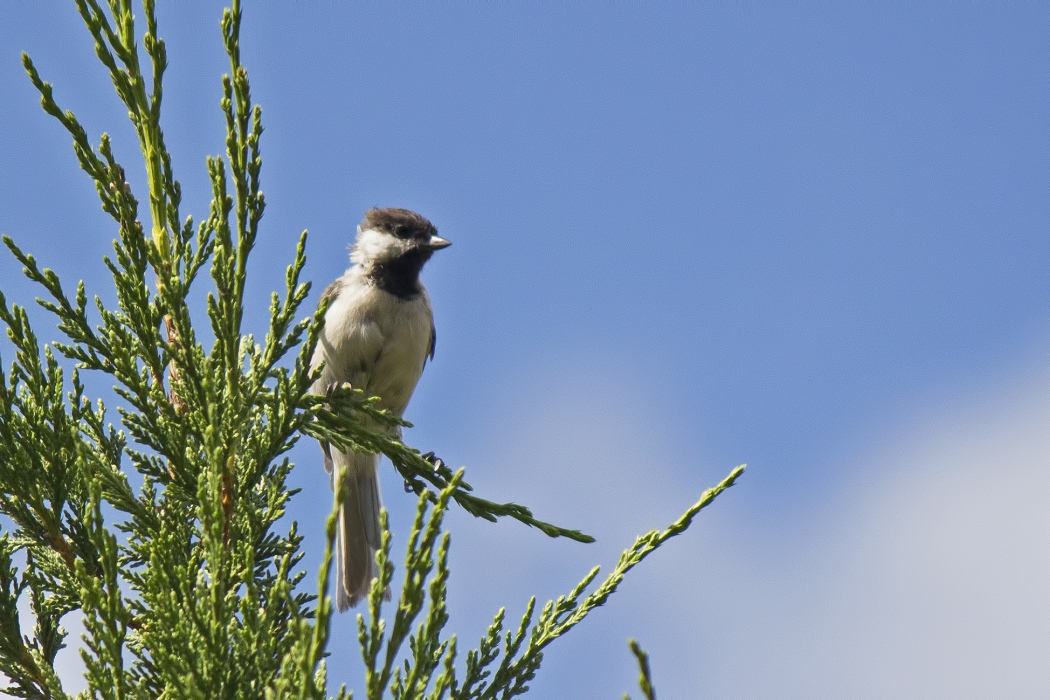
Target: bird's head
x,y
395,237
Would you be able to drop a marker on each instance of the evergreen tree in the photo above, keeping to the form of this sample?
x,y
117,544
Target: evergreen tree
x,y
186,585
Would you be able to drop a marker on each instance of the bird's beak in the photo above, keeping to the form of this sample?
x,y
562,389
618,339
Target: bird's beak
x,y
437,243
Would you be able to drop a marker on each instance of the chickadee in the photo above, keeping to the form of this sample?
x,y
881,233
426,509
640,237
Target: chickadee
x,y
378,334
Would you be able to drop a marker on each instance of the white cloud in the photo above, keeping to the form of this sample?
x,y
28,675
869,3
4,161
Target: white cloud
x,y
943,586
928,577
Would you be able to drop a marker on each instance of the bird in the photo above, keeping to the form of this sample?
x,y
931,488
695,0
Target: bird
x,y
378,334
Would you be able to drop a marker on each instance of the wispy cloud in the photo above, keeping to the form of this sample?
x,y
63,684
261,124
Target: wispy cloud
x,y
925,577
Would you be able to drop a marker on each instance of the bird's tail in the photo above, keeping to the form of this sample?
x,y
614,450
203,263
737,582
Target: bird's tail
x,y
359,533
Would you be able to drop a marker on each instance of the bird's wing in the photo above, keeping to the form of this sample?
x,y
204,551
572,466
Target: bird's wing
x,y
326,448
331,291
324,383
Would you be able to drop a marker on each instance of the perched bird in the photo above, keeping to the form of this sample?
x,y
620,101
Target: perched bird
x,y
378,334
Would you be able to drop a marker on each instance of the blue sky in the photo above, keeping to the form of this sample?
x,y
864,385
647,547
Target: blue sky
x,y
808,237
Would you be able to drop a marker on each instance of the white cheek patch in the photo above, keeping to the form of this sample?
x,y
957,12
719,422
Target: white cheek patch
x,y
376,246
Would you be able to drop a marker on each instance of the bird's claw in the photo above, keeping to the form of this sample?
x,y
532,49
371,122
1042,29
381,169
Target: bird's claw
x,y
435,460
414,485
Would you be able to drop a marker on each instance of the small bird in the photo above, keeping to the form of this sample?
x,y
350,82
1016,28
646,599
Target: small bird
x,y
378,334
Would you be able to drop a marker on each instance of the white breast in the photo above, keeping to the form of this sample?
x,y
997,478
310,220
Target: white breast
x,y
375,341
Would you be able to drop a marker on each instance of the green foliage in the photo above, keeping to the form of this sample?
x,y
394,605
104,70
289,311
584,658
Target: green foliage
x,y
505,661
187,583
645,680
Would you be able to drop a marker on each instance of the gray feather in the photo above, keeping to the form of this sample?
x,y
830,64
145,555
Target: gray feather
x,y
359,533
327,450
370,500
354,561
